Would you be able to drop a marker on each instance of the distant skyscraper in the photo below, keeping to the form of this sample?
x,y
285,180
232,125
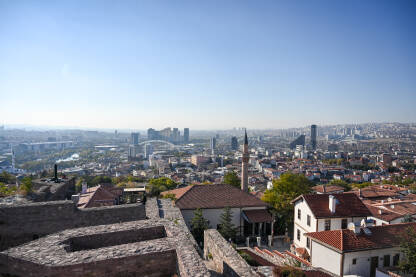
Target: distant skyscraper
x,y
148,150
213,144
234,143
313,136
134,138
244,165
186,135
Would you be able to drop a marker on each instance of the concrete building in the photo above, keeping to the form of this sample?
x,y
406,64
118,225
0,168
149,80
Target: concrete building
x,y
148,150
213,144
186,135
135,138
299,141
234,143
313,136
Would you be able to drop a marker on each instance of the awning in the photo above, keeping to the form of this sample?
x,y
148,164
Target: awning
x,y
257,216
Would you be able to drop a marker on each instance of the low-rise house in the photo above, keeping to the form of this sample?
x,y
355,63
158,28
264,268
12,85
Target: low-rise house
x,y
320,189
319,212
358,250
250,214
97,196
392,212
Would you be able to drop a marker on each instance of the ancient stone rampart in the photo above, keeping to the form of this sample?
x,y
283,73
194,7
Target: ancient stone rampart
x,y
225,257
23,223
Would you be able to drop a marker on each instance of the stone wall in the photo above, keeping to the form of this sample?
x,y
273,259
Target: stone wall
x,y
225,257
23,223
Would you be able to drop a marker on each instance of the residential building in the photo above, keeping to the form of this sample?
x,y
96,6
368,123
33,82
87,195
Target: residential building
x,y
186,135
135,138
358,250
320,212
249,214
234,143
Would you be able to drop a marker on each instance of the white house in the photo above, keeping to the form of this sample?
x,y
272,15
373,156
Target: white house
x,y
392,212
358,250
250,214
320,212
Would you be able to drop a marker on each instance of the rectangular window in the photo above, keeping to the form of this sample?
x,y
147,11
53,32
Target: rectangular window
x,y
327,224
299,214
354,261
396,259
308,220
298,235
344,223
386,261
308,243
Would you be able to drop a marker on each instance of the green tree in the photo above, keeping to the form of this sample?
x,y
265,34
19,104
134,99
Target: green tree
x,y
407,218
408,247
7,178
231,178
198,225
26,184
6,191
226,226
284,190
158,185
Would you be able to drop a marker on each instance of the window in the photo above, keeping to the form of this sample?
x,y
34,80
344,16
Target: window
x,y
298,235
396,259
308,243
327,224
354,261
344,223
299,214
308,220
386,261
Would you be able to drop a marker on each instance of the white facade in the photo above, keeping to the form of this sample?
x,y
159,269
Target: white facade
x,y
213,215
352,263
303,226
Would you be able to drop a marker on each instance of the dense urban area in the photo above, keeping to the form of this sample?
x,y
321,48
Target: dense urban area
x,y
315,201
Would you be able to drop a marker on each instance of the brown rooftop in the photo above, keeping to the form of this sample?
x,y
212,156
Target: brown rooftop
x,y
214,196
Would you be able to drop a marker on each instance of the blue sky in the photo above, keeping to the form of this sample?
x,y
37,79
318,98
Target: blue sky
x,y
207,64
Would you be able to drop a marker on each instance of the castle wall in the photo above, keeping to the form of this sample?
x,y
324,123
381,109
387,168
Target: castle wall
x,y
23,223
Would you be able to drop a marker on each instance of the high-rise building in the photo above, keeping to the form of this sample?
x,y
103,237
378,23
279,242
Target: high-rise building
x,y
186,135
175,135
148,150
299,141
244,165
313,136
135,138
152,134
234,143
213,144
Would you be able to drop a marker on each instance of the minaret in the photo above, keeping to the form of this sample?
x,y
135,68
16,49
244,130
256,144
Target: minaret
x,y
244,165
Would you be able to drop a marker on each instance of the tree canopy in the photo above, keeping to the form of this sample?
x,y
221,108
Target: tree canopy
x,y
408,247
226,226
158,185
198,225
231,178
284,190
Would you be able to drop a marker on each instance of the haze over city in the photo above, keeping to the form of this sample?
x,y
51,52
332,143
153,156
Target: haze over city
x,y
206,64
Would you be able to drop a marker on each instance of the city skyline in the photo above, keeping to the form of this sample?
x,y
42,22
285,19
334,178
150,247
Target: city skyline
x,y
206,65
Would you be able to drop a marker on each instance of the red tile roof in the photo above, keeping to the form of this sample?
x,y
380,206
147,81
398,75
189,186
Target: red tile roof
x,y
328,189
177,192
348,205
96,197
256,216
215,196
385,236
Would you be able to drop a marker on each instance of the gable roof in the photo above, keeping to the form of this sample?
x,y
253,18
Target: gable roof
x,y
345,240
177,192
214,196
348,205
96,197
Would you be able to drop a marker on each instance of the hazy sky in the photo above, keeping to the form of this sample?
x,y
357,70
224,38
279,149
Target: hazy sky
x,y
207,64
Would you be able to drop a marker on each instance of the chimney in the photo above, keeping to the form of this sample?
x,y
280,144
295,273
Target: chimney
x,y
324,188
55,173
359,193
84,188
332,203
380,211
